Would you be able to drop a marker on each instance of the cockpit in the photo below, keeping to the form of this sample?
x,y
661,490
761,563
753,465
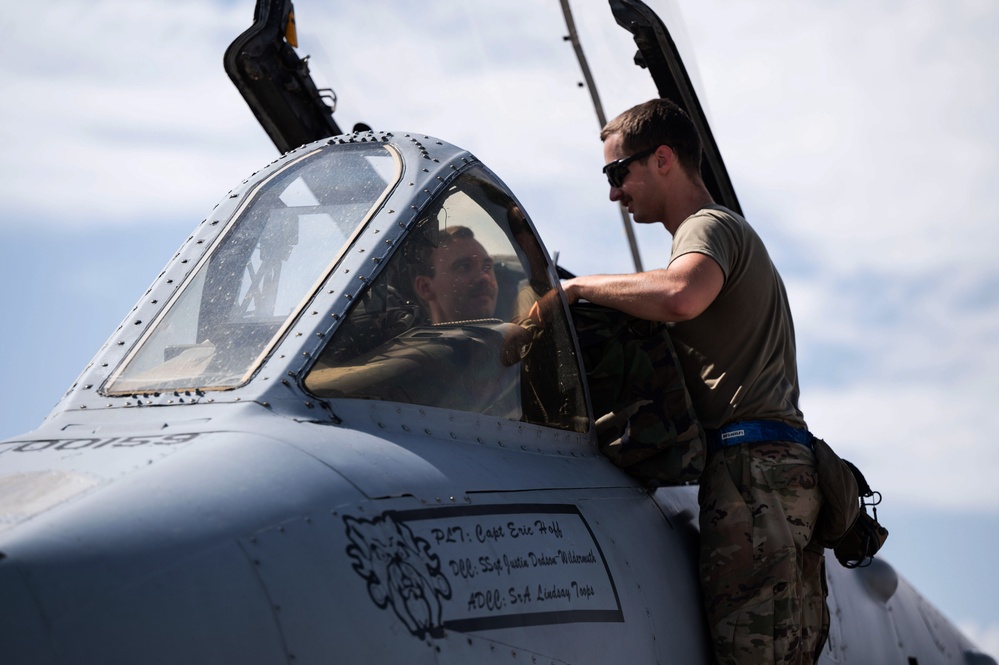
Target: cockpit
x,y
454,315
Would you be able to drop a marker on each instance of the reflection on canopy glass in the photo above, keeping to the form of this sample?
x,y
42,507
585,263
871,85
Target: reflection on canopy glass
x,y
255,281
453,320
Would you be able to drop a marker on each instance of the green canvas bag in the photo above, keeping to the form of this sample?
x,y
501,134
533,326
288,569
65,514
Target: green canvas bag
x,y
645,419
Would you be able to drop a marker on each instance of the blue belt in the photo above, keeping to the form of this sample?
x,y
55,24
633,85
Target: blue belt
x,y
755,431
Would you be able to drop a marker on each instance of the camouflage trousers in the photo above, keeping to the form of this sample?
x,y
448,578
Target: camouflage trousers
x,y
764,586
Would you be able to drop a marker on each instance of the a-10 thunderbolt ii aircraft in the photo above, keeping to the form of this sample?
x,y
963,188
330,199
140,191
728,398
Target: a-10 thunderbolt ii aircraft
x,y
296,450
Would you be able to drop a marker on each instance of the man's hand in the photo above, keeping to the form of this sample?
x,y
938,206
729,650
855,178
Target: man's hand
x,y
545,308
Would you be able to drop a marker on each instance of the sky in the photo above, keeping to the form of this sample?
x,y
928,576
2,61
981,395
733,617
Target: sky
x,y
860,136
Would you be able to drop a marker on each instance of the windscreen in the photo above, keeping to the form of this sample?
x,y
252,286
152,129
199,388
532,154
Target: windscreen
x,y
253,283
464,316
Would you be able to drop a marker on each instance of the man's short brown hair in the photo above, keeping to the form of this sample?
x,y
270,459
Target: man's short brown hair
x,y
654,123
424,264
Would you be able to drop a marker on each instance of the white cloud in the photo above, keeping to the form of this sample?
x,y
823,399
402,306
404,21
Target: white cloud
x,y
916,449
117,115
872,125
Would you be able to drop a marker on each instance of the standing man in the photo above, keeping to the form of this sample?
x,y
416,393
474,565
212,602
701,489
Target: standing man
x,y
763,583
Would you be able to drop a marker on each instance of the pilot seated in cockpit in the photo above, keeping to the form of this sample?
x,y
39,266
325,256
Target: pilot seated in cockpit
x,y
461,360
456,279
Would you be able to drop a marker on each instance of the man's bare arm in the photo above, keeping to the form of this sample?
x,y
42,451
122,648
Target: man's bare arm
x,y
677,293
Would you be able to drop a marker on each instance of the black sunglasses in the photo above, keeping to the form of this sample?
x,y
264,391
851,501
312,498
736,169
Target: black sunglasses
x,y
617,170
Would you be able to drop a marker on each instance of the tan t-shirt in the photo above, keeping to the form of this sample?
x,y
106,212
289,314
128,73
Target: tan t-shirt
x,y
738,356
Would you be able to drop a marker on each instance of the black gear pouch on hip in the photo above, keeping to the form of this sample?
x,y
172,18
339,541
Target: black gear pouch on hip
x,y
844,525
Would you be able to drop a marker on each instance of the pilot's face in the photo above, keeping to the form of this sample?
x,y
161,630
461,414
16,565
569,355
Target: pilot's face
x,y
464,284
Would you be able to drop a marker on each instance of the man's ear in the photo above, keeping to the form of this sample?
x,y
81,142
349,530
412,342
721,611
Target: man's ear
x,y
665,158
423,287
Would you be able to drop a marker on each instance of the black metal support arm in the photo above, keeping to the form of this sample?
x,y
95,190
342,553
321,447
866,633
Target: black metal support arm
x,y
275,82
